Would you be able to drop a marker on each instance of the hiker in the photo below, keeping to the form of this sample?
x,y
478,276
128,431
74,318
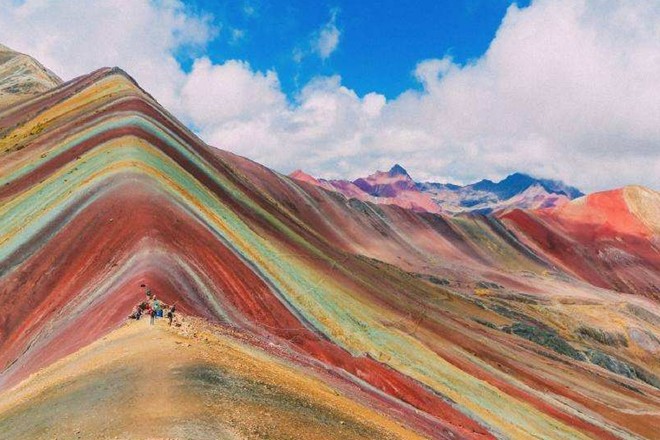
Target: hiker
x,y
147,291
136,314
153,316
170,314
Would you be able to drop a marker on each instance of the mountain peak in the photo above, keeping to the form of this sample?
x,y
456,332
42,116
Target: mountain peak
x,y
518,182
303,176
398,170
22,77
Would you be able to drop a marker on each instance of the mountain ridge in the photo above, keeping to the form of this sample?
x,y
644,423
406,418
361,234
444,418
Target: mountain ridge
x,y
22,77
397,187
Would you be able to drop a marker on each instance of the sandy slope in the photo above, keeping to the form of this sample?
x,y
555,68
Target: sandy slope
x,y
197,383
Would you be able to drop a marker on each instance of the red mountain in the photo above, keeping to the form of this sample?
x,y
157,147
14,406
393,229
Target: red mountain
x,y
609,238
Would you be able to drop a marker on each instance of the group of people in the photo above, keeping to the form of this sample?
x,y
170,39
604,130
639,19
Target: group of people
x,y
153,307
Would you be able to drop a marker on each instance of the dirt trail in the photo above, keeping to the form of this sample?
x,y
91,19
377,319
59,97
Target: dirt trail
x,y
145,381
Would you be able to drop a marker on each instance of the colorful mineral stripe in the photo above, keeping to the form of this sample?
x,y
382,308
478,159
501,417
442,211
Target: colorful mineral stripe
x,y
533,324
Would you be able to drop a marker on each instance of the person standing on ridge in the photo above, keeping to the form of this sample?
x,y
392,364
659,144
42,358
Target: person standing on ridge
x,y
147,290
170,314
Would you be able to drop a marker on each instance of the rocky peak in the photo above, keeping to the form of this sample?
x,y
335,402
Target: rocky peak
x,y
22,77
398,170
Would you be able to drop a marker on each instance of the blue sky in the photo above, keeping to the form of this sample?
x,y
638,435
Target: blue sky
x,y
380,43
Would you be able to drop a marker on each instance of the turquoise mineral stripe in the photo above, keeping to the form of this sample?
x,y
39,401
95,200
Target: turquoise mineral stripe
x,y
138,120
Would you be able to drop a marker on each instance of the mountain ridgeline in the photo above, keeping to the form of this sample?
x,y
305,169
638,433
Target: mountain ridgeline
x,y
21,77
397,187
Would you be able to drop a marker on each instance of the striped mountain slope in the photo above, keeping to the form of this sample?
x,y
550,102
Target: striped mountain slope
x,y
463,327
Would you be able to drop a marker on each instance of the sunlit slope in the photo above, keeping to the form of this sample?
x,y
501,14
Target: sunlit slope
x,y
158,382
102,190
609,239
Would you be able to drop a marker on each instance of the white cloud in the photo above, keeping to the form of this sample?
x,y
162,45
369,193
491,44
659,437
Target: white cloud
x,y
236,36
322,43
327,40
233,106
567,89
229,92
141,36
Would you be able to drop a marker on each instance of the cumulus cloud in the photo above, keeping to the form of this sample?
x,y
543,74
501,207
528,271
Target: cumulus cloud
x,y
567,89
233,106
73,38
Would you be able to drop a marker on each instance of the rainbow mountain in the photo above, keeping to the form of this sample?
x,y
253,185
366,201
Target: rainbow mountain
x,y
304,313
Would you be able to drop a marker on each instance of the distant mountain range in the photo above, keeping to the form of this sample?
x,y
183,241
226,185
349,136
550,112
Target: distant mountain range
x,y
396,187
